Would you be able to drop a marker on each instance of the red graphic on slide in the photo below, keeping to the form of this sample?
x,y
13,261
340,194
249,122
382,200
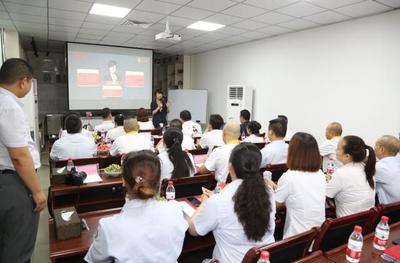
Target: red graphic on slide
x,y
88,77
134,79
112,89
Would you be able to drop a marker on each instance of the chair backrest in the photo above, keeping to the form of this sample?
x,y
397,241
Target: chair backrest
x,y
277,170
336,232
390,210
313,257
189,186
152,131
287,250
103,161
260,145
200,151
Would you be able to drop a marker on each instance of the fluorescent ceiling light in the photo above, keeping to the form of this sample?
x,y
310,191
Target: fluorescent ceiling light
x,y
109,10
205,26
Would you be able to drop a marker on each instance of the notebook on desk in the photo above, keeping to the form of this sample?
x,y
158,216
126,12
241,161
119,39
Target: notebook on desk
x,y
92,172
392,254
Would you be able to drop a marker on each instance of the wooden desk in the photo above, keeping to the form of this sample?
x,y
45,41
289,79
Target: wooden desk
x,y
316,257
74,250
369,253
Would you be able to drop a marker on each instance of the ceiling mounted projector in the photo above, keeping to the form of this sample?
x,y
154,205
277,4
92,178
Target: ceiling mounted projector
x,y
167,35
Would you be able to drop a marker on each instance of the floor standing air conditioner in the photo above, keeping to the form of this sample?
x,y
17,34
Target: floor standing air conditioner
x,y
239,98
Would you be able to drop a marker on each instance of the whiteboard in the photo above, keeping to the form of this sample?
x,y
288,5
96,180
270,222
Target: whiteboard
x,y
194,101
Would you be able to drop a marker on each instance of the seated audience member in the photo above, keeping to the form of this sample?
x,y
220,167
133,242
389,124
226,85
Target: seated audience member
x,y
83,131
387,174
75,145
213,135
132,140
189,127
107,123
187,142
327,149
219,157
302,187
175,163
143,120
253,130
242,215
118,131
133,235
276,151
352,185
244,122
289,133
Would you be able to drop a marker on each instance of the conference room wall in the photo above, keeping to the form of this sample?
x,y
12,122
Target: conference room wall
x,y
347,72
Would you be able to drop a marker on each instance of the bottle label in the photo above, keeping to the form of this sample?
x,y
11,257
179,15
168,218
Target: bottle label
x,y
353,254
354,249
381,237
170,195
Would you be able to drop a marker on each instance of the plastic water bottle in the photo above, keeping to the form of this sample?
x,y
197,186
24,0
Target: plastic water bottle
x,y
264,257
220,185
330,169
382,234
354,246
70,165
170,192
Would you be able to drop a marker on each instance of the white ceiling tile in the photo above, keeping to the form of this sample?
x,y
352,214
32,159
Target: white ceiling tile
x,y
61,14
298,24
179,2
128,29
155,29
189,33
145,38
244,11
120,3
157,7
331,4
28,18
64,28
180,21
212,5
120,36
254,35
64,22
93,31
223,19
272,18
31,33
103,19
41,3
89,36
144,16
239,39
274,30
20,24
392,3
87,24
231,31
270,4
63,36
249,25
327,17
70,5
87,41
300,9
25,9
4,15
192,13
6,22
362,9
111,42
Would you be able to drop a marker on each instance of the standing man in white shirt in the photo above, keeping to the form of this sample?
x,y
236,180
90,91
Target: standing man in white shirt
x,y
21,196
276,151
219,157
387,175
213,135
189,127
327,149
74,146
107,123
118,131
133,140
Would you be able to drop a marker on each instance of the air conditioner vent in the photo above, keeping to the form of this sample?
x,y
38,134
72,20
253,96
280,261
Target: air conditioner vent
x,y
236,93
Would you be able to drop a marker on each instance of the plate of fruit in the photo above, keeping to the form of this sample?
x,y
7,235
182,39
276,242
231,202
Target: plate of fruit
x,y
102,149
113,170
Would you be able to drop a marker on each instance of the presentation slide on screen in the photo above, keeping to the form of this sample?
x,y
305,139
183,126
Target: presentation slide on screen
x,y
104,76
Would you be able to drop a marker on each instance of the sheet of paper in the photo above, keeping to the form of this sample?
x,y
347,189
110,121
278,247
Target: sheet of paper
x,y
187,209
92,173
199,159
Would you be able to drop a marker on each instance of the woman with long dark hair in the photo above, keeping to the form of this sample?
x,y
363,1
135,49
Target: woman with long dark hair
x,y
242,215
253,130
353,184
175,163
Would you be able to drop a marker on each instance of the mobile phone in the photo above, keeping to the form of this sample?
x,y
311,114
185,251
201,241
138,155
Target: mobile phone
x,y
396,241
194,201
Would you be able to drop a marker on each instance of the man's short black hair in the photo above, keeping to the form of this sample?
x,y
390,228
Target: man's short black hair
x,y
119,119
245,114
73,124
278,126
283,117
185,115
176,123
15,69
216,121
105,113
159,91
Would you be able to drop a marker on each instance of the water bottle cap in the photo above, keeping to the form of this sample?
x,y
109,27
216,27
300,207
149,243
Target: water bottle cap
x,y
170,182
384,219
264,255
358,229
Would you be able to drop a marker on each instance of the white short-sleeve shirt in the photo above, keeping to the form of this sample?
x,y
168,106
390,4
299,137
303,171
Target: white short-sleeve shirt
x,y
191,128
328,149
254,139
274,152
218,161
351,190
73,146
114,133
304,196
131,142
387,178
105,126
218,215
138,235
83,131
167,166
14,130
211,138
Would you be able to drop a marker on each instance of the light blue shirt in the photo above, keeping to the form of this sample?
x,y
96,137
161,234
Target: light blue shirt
x,y
387,178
